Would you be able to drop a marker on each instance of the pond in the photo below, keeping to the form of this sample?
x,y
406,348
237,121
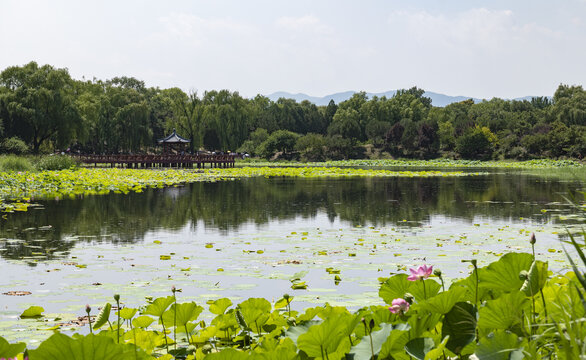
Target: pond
x,y
249,237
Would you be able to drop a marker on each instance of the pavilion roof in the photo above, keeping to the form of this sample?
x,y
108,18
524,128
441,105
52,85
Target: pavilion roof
x,y
173,138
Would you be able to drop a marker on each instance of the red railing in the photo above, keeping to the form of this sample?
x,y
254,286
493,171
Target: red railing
x,y
224,160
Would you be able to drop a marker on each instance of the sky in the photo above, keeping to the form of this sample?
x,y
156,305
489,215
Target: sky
x,y
473,48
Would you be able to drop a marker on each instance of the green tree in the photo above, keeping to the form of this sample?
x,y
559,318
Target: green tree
x,y
346,124
311,147
279,141
40,103
478,143
226,118
188,119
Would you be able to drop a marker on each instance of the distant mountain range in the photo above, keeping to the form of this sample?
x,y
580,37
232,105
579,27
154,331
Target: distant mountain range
x,y
437,99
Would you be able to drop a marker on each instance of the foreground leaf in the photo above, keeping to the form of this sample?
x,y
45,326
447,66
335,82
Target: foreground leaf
x,y
90,347
460,325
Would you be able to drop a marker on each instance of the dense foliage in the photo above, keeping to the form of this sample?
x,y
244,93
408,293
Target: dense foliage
x,y
43,109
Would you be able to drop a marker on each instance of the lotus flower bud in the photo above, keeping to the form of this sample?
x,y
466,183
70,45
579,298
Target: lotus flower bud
x,y
532,239
88,309
117,297
286,296
437,272
523,275
173,289
207,348
409,298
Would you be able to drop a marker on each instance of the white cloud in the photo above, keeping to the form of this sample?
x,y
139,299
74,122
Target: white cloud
x,y
307,23
481,49
199,29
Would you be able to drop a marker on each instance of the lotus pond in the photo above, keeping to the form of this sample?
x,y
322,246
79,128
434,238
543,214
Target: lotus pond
x,y
77,237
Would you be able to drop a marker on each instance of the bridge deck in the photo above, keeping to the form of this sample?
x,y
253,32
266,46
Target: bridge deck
x,y
150,161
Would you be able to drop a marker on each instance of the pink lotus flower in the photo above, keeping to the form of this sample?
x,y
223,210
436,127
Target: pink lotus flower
x,y
422,272
399,306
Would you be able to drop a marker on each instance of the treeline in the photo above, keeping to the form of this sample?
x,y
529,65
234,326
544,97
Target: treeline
x,y
42,109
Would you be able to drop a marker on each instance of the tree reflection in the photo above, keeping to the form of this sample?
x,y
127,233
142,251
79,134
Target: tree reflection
x,y
226,205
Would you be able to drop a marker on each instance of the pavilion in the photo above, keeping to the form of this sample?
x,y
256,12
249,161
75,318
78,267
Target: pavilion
x,y
173,142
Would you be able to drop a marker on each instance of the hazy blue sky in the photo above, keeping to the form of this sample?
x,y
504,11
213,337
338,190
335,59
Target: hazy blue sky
x,y
466,47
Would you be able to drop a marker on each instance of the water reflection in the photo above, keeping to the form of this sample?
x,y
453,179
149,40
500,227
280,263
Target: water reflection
x,y
51,232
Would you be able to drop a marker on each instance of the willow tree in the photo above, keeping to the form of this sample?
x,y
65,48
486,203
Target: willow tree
x,y
40,104
188,117
226,119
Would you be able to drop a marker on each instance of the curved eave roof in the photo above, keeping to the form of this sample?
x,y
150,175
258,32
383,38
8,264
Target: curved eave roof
x,y
174,138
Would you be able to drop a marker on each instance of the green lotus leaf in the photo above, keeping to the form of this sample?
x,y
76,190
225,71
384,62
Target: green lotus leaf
x,y
443,302
500,345
504,312
219,306
282,302
146,340
8,350
416,289
503,275
158,307
322,338
253,309
90,347
228,354
103,316
142,321
536,278
181,314
460,325
364,350
33,311
127,313
294,332
395,287
438,352
419,347
395,343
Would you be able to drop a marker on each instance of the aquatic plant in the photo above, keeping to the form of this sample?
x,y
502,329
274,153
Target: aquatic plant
x,y
488,314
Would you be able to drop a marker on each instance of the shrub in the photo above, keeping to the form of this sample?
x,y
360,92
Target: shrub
x,y
15,163
14,145
56,162
477,143
338,147
311,147
280,140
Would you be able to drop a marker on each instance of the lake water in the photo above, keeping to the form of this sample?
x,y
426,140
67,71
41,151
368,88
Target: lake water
x,y
247,238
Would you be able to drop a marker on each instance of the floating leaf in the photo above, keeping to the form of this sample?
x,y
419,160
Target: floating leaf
x,y
33,311
299,285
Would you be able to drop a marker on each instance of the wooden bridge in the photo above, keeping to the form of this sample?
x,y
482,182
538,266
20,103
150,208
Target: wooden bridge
x,y
160,161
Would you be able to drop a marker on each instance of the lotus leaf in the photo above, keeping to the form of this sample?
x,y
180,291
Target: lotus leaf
x,y
103,316
460,325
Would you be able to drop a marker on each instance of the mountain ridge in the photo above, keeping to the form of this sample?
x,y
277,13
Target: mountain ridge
x,y
437,99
